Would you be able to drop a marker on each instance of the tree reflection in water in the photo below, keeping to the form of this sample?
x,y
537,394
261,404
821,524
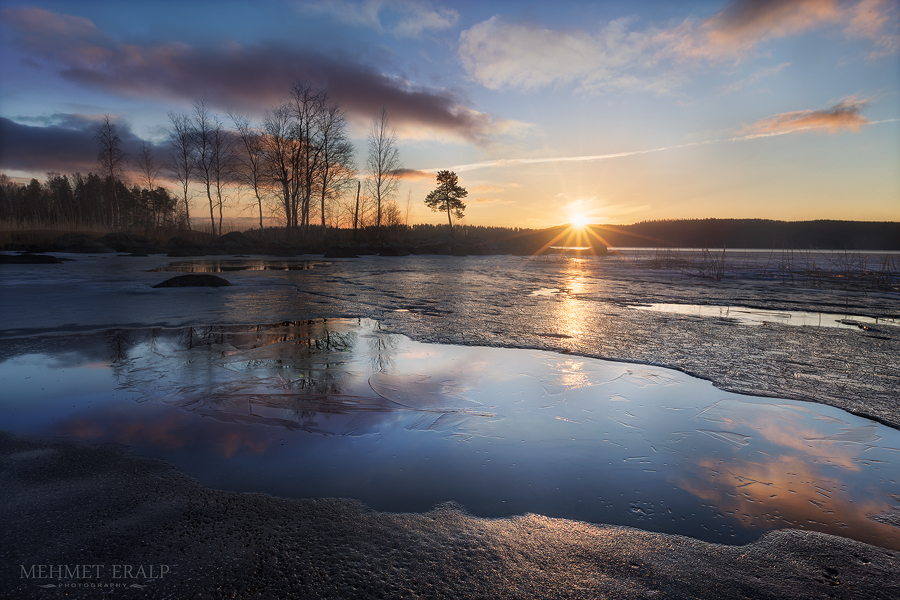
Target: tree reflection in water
x,y
310,375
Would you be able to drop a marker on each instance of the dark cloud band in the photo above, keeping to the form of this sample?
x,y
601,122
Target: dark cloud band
x,y
231,76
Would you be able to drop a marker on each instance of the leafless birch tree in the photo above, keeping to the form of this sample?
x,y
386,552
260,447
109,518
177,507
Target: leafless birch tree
x,y
336,157
251,161
202,129
382,163
111,160
181,157
280,151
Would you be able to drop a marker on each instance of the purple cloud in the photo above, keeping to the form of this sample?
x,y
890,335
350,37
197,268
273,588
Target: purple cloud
x,y
247,78
63,143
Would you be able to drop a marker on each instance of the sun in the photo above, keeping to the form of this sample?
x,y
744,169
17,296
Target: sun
x,y
579,221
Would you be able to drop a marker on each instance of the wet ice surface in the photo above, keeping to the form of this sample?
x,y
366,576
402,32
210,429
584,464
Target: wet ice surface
x,y
235,264
341,408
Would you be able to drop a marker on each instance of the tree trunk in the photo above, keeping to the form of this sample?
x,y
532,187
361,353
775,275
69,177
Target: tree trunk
x,y
259,201
356,214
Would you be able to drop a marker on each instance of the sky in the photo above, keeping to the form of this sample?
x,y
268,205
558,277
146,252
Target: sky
x,y
618,112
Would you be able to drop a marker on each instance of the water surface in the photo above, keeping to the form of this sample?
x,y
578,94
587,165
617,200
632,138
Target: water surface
x,y
758,316
339,408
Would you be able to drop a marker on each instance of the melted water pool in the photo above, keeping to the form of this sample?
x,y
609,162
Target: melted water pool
x,y
341,409
758,316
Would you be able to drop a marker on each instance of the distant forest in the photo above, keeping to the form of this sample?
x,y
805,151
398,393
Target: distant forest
x,y
754,233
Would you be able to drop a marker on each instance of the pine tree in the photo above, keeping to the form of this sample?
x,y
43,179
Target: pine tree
x,y
448,196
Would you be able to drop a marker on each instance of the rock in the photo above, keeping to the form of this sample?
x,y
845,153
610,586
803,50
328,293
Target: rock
x,y
179,246
239,239
15,247
279,248
28,259
80,242
341,251
123,242
392,250
437,248
145,249
234,242
193,280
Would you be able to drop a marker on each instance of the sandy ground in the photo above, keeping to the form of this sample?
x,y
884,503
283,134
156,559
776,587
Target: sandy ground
x,y
67,504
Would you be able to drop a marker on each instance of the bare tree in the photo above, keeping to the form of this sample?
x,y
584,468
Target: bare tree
x,y
356,210
280,152
222,161
181,157
336,168
111,160
251,161
202,125
408,208
382,164
307,105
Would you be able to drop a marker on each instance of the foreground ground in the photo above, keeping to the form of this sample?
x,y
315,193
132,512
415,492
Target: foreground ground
x,y
71,504
65,503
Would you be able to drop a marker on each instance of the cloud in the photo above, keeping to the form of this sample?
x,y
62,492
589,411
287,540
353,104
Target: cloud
x,y
248,78
491,200
876,20
404,19
64,143
744,24
413,174
486,189
499,54
755,77
845,115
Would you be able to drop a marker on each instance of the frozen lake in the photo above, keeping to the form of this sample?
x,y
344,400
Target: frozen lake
x,y
339,408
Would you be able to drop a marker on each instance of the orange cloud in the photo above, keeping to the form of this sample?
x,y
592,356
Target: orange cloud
x,y
412,174
843,115
494,200
486,189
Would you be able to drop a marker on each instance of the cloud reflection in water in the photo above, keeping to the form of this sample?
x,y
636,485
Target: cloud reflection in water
x,y
339,408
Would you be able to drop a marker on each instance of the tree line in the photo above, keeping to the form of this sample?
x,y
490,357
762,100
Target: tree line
x,y
84,200
297,165
755,233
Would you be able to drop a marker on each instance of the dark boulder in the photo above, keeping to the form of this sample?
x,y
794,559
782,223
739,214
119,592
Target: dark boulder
x,y
179,246
279,248
15,247
28,259
233,242
239,239
123,242
80,242
341,251
392,250
146,249
193,280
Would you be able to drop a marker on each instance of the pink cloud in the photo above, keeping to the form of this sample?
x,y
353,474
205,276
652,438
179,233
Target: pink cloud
x,y
744,24
845,115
